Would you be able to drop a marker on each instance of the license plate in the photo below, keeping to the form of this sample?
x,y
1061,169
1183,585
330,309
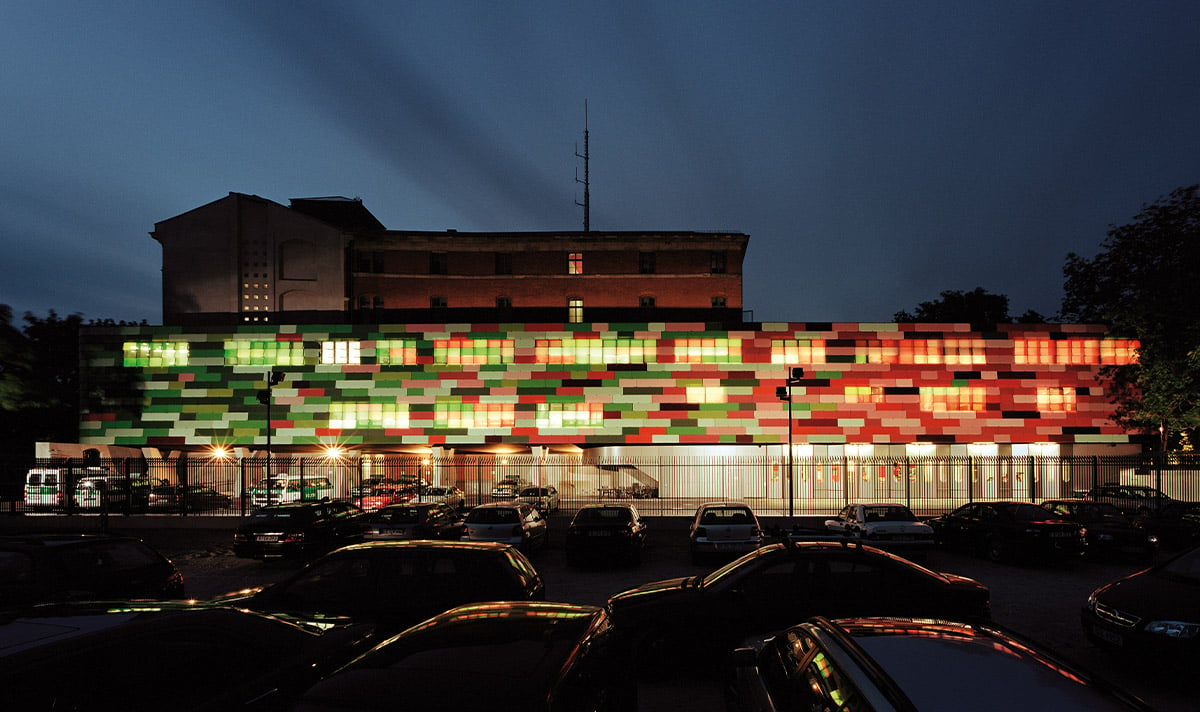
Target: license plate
x,y
600,533
266,537
1107,635
1060,535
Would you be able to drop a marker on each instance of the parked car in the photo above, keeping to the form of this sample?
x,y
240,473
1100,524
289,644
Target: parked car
x,y
141,657
514,523
1152,611
760,591
1000,530
383,496
1133,500
605,531
414,520
450,496
1109,532
1175,523
370,484
298,529
395,584
888,526
506,490
290,488
887,664
192,498
499,656
37,568
543,499
723,528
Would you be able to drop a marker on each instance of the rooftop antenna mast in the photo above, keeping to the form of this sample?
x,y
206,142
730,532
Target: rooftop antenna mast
x,y
587,196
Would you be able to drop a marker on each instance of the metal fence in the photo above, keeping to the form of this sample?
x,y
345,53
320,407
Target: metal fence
x,y
659,486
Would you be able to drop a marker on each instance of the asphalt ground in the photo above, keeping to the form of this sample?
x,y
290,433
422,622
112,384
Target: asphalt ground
x,y
1040,600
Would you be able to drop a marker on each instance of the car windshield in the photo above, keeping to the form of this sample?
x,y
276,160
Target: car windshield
x,y
400,515
1098,511
436,491
533,492
889,514
603,515
1028,513
1186,566
492,515
727,515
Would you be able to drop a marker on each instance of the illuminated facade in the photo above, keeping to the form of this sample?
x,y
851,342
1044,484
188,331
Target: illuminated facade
x,y
874,389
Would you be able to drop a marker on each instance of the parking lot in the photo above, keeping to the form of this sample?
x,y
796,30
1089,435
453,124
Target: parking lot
x,y
1040,601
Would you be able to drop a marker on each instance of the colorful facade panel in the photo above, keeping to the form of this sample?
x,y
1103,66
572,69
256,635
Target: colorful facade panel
x,y
399,386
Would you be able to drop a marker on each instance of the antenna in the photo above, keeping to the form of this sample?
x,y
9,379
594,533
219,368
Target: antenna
x,y
587,196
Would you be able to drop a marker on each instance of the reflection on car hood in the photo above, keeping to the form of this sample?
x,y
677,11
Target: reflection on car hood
x,y
650,593
1153,595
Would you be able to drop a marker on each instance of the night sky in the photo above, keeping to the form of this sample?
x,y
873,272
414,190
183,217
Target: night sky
x,y
877,153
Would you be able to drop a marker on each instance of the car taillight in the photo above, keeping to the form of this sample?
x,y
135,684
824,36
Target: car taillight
x,y
294,537
239,536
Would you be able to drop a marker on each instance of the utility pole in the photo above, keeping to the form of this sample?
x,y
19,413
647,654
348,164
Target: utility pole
x,y
273,378
587,195
784,393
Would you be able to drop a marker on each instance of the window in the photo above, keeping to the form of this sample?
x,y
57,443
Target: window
x,y
437,263
575,263
340,352
503,302
396,353
718,302
646,302
437,302
708,350
377,302
953,399
646,262
503,263
364,302
597,351
718,263
794,351
570,415
449,414
156,354
264,353
1056,400
459,352
575,310
368,415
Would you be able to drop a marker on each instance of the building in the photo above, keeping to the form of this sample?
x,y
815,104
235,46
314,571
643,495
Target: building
x,y
458,344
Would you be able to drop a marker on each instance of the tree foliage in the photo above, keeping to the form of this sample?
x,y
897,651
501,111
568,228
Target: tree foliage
x,y
975,307
39,379
1143,284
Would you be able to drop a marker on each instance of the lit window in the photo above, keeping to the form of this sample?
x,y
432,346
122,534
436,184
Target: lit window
x,y
708,350
575,263
396,353
953,399
570,415
595,351
460,415
706,394
1056,400
473,352
155,354
368,415
798,351
340,352
575,310
864,394
264,353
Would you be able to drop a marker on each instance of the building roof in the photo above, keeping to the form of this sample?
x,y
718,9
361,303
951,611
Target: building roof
x,y
348,214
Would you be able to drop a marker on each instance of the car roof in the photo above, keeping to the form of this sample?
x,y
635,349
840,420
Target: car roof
x,y
985,664
427,544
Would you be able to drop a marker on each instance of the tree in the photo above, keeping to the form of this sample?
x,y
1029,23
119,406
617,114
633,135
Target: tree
x,y
1143,285
974,307
39,380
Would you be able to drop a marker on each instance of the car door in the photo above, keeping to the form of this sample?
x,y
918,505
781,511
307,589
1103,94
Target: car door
x,y
535,526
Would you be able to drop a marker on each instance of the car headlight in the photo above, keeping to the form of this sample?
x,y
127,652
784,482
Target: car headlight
x,y
1173,629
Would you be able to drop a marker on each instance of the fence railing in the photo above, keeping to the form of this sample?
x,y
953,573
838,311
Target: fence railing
x,y
659,486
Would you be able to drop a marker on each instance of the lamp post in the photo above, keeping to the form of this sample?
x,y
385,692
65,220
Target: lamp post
x,y
273,378
784,393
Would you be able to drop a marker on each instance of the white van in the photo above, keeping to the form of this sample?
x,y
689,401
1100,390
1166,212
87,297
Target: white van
x,y
291,488
44,488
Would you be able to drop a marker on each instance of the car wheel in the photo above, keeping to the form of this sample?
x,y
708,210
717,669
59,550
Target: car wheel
x,y
996,550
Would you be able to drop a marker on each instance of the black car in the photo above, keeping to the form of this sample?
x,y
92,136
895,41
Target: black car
x,y
413,520
147,657
298,529
499,656
1000,530
905,664
1153,611
1134,500
777,583
192,498
1175,523
606,531
395,584
38,568
1109,532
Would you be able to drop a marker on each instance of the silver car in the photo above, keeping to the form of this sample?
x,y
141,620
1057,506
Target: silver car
x,y
723,528
543,499
450,496
514,523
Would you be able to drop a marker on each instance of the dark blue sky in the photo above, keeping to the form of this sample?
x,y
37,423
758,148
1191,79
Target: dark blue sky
x,y
876,153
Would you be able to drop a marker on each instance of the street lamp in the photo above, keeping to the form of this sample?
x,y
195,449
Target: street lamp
x,y
273,378
784,393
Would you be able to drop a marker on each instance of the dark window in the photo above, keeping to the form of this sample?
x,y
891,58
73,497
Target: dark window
x,y
718,302
437,302
364,302
377,303
718,263
437,263
646,262
503,303
646,302
503,263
